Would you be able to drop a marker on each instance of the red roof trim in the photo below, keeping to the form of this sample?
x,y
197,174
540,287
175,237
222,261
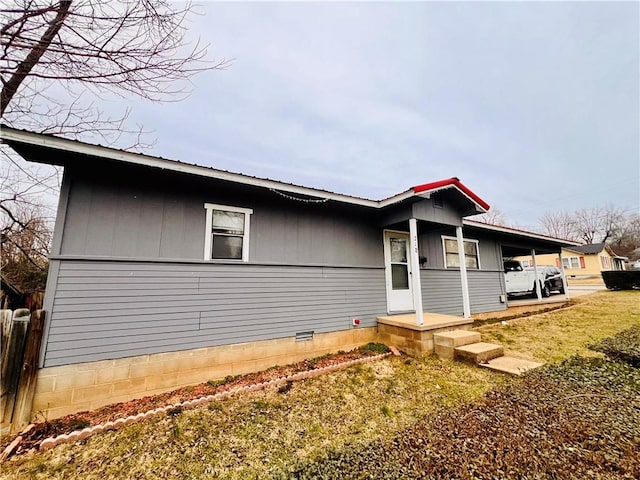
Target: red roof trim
x,y
451,182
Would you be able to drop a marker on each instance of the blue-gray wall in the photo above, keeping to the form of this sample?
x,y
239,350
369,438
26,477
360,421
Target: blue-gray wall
x,y
123,217
103,309
128,277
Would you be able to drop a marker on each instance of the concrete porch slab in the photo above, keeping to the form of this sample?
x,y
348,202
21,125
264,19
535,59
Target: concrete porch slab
x,y
432,321
415,340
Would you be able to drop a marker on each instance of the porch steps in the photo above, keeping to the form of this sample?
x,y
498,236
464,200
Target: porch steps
x,y
480,352
466,345
444,344
514,366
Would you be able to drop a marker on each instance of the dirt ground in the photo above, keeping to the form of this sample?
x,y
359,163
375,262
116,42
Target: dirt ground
x,y
519,311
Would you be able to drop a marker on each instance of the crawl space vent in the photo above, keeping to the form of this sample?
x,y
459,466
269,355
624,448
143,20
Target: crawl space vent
x,y
304,336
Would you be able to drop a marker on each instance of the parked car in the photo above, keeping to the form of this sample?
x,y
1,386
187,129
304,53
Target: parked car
x,y
552,278
522,281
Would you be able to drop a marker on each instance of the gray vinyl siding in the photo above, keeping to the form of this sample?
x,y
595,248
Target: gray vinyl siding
x,y
107,309
485,289
442,291
153,220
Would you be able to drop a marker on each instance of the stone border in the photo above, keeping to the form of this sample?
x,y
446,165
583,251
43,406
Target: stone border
x,y
77,435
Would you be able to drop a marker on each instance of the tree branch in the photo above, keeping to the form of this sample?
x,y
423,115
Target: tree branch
x,y
11,86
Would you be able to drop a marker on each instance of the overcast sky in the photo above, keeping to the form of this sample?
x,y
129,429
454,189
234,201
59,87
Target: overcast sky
x,y
534,106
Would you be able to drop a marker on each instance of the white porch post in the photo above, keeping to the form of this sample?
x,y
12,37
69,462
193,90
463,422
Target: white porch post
x,y
535,273
565,286
466,304
415,270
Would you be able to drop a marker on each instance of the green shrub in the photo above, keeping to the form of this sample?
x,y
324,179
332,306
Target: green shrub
x,y
376,348
622,280
624,346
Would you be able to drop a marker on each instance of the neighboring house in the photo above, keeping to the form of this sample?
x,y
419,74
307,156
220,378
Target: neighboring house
x,y
581,261
164,273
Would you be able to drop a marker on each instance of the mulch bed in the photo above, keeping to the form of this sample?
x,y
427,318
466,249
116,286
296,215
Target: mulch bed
x,y
77,421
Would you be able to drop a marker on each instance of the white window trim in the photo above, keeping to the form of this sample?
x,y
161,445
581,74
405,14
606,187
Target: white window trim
x,y
444,251
210,207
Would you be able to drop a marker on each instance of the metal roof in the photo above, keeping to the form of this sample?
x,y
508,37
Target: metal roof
x,y
11,135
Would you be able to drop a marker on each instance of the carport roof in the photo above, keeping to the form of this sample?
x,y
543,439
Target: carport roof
x,y
515,241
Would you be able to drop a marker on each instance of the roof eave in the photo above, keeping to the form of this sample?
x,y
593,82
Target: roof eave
x,y
9,135
515,231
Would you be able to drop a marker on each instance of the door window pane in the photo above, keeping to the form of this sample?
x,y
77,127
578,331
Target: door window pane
x,y
399,277
398,249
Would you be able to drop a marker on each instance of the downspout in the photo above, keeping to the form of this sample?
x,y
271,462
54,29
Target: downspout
x,y
415,270
466,304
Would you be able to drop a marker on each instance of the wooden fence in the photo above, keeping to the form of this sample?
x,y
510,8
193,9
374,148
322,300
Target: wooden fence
x,y
21,340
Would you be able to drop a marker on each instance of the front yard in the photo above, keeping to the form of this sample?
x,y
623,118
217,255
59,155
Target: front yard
x,y
401,418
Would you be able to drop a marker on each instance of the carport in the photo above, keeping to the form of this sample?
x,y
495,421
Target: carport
x,y
514,242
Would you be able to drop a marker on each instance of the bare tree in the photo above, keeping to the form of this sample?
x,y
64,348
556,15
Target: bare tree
x,y
494,216
559,225
586,225
24,239
598,224
91,48
60,58
625,240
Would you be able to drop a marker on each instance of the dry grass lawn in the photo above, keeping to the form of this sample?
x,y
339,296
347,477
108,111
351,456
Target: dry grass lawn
x,y
557,335
262,434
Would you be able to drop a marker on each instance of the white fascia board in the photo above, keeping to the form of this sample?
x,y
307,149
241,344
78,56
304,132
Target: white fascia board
x,y
521,233
73,146
395,199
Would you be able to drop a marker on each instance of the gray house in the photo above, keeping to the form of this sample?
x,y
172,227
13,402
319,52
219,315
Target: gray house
x,y
165,273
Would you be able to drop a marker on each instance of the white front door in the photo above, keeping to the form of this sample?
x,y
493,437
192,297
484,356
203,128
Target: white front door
x,y
398,272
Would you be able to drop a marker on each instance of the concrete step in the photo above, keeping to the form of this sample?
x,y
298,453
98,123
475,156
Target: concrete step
x,y
514,366
478,352
445,343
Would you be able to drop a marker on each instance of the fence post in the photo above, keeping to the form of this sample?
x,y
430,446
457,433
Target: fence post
x,y
28,376
6,316
12,363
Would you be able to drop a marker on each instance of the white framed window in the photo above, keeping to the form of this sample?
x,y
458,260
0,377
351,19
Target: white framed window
x,y
606,262
570,262
452,258
226,233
